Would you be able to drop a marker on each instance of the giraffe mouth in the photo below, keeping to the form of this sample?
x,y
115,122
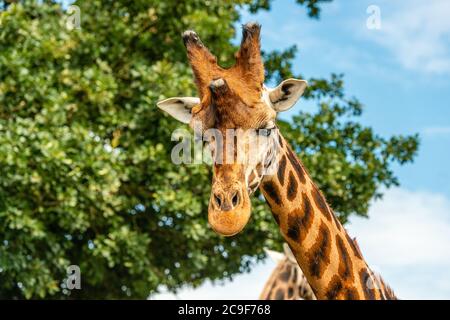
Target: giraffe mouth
x,y
230,223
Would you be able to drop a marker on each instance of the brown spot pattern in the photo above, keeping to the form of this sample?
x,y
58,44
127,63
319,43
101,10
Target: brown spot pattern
x,y
279,294
291,187
336,220
285,275
367,284
321,203
296,165
290,293
351,294
345,263
334,288
354,247
281,169
319,254
300,220
272,191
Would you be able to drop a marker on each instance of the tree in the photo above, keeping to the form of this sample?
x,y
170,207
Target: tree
x,y
86,175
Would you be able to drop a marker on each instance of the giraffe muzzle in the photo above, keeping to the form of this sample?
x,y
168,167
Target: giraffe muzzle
x,y
229,210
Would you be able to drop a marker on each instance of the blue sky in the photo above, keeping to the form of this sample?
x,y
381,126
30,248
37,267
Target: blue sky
x,y
401,74
388,69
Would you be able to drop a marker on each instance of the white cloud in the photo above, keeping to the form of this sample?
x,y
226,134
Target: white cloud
x,y
406,229
436,131
417,34
406,239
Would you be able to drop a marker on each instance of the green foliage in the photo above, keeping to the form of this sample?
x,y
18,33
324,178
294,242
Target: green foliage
x,y
86,175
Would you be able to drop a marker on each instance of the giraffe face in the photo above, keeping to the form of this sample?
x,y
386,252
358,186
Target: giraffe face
x,y
236,113
243,153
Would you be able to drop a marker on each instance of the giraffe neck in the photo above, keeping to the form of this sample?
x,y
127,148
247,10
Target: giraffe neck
x,y
287,282
328,257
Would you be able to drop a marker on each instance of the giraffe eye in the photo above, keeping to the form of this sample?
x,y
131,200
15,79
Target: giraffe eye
x,y
265,131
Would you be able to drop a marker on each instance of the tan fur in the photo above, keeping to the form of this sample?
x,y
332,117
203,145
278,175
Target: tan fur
x,y
236,104
232,98
245,78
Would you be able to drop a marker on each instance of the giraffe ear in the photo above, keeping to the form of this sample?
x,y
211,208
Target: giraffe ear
x,y
288,253
274,255
286,94
179,108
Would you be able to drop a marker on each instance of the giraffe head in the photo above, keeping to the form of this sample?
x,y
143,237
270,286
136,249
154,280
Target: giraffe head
x,y
235,114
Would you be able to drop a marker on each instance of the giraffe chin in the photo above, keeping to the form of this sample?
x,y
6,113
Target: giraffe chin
x,y
229,223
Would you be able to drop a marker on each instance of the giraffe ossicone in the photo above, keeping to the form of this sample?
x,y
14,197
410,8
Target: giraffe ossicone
x,y
236,98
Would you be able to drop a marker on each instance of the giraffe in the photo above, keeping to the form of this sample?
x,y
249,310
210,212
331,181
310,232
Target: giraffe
x,y
287,281
236,98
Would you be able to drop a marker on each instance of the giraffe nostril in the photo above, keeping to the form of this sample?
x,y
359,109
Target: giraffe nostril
x,y
217,200
235,199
